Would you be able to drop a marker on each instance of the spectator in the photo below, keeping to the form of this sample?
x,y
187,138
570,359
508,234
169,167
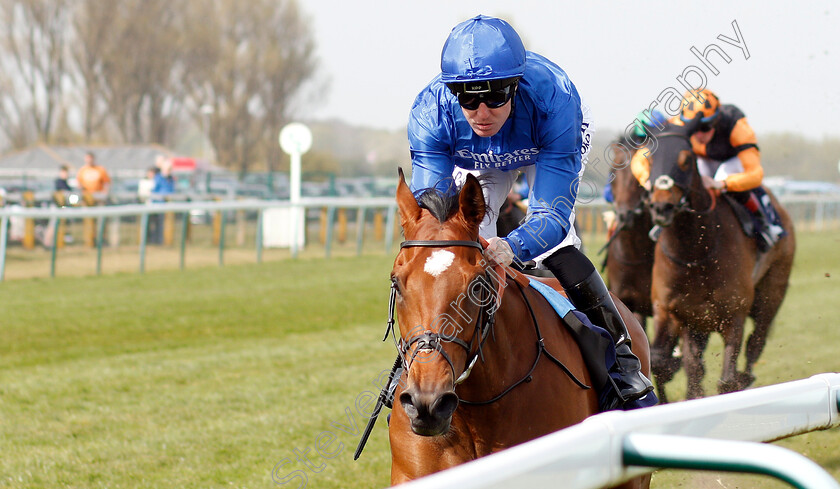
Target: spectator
x,y
164,183
163,188
61,184
93,179
144,194
147,184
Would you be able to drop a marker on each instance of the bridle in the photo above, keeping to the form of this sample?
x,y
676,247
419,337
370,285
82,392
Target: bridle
x,y
430,340
626,220
684,206
483,327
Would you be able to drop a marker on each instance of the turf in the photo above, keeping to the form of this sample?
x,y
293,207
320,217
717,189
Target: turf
x,y
219,377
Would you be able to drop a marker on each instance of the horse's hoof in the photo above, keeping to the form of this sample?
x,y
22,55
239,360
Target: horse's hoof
x,y
745,379
727,386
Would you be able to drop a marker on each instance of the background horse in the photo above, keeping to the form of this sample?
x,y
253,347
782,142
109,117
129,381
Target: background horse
x,y
629,259
708,274
528,370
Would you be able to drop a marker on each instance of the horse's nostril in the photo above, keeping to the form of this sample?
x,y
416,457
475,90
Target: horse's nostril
x,y
407,401
662,207
445,405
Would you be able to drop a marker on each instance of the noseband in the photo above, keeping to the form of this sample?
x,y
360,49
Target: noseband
x,y
429,340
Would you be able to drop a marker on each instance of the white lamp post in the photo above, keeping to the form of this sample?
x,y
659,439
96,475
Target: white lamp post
x,y
295,139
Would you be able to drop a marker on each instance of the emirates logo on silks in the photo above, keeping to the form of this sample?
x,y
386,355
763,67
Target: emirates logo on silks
x,y
513,159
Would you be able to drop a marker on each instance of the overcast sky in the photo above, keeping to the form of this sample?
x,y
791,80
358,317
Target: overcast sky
x,y
377,55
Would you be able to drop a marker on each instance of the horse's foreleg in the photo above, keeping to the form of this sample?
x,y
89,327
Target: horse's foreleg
x,y
695,344
755,345
660,391
733,335
662,361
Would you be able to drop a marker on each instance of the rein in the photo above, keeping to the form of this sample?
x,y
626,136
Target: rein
x,y
541,350
433,341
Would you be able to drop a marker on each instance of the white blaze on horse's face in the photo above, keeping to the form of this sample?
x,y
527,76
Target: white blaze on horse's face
x,y
663,182
438,262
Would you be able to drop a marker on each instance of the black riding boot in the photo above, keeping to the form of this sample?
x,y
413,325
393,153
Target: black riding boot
x,y
589,295
765,237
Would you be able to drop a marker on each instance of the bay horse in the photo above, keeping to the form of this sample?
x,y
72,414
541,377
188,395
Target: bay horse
x,y
483,370
629,260
630,251
708,275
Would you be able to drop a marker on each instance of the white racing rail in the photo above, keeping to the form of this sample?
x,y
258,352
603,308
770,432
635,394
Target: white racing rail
x,y
142,211
715,433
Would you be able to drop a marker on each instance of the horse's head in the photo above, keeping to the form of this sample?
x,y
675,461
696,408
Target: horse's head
x,y
673,172
441,296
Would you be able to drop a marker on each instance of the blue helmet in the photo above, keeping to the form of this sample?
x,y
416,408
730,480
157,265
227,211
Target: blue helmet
x,y
482,48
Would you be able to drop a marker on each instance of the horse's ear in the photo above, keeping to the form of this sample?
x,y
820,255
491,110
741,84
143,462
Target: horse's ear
x,y
471,202
406,203
686,159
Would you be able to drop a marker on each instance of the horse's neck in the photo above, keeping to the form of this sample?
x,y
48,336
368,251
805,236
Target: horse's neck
x,y
693,233
634,248
520,381
505,344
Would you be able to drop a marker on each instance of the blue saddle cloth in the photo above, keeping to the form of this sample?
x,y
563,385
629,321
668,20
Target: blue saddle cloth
x,y
563,306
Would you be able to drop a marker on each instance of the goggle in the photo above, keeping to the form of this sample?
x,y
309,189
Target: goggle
x,y
472,94
706,123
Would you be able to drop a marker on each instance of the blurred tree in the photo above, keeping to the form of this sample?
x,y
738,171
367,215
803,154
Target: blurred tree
x,y
33,38
92,28
247,63
128,55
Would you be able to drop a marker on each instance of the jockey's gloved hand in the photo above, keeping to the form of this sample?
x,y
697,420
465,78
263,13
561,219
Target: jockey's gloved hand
x,y
498,251
711,183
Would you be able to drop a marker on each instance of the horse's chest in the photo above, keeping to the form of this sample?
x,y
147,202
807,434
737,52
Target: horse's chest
x,y
705,307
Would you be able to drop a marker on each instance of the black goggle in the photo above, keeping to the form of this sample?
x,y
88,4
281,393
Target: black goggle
x,y
472,95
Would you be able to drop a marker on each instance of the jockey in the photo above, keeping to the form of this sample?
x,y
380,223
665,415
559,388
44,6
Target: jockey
x,y
493,111
645,122
727,158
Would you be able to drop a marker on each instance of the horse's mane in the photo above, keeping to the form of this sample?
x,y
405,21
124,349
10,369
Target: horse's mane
x,y
443,206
